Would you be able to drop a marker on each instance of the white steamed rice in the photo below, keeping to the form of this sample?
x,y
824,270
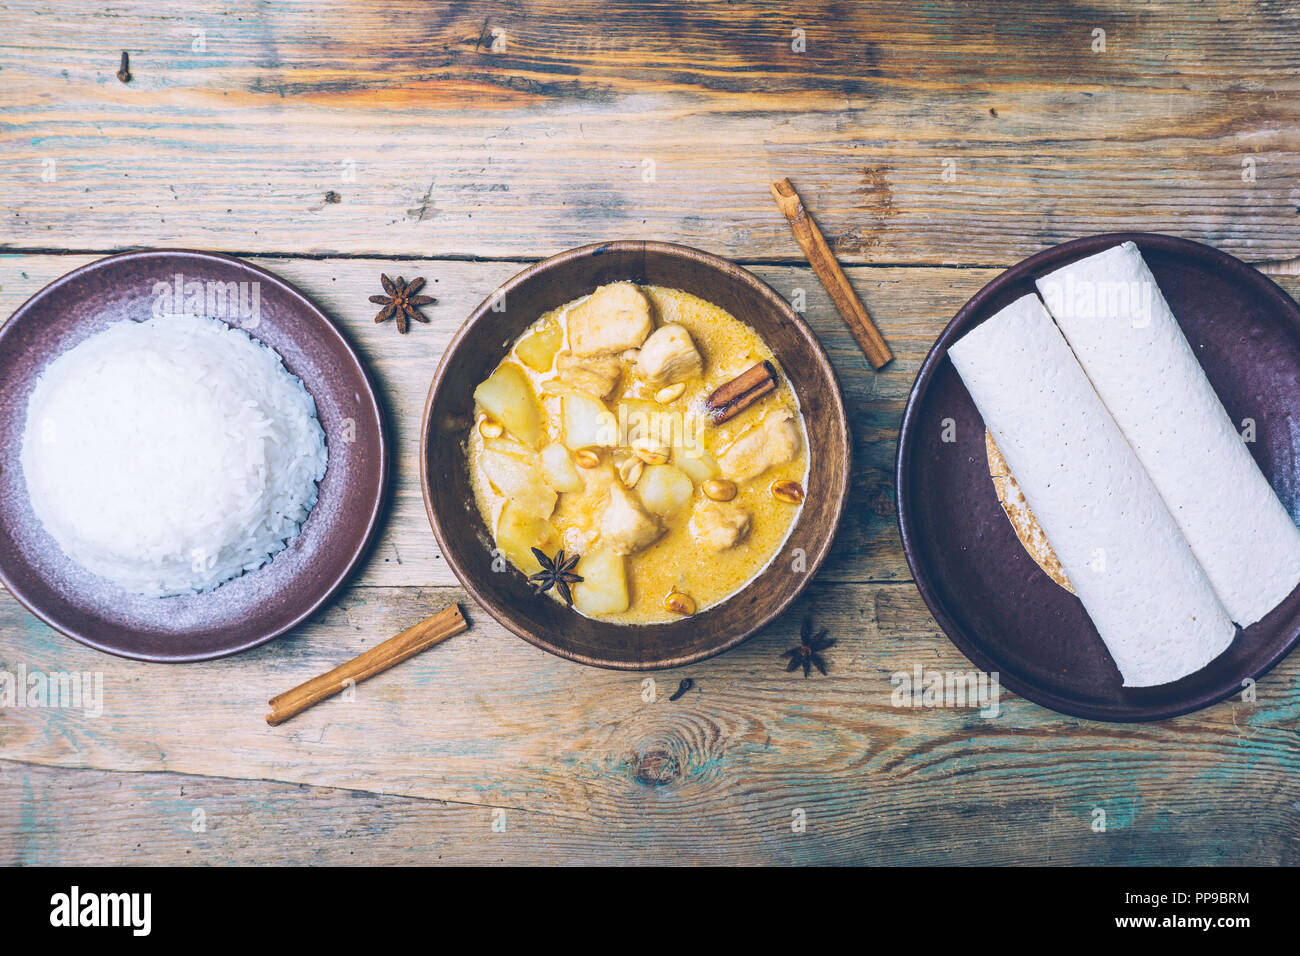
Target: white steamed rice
x,y
171,455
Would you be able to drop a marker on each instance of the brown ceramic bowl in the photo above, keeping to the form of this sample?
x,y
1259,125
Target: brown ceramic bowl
x,y
987,594
467,542
248,610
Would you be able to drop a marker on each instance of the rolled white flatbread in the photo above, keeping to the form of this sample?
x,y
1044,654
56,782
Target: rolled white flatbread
x,y
1131,347
1130,565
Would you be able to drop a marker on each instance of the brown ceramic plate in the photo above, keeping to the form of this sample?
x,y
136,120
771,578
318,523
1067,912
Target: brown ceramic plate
x,y
250,609
987,594
467,542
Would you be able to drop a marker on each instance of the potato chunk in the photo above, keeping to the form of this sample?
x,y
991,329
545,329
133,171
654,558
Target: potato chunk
x,y
519,531
603,589
595,374
507,397
557,465
625,528
774,441
665,490
690,457
719,525
587,422
669,355
537,346
613,318
514,473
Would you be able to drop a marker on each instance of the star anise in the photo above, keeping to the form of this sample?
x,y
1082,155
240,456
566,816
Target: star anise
x,y
808,653
401,301
556,573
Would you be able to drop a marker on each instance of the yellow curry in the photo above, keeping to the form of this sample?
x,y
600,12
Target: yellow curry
x,y
653,434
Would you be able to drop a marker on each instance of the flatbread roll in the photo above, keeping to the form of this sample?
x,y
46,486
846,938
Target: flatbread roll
x,y
1129,564
1131,347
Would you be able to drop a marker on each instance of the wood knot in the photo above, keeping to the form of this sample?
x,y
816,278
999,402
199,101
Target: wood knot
x,y
657,768
877,197
879,492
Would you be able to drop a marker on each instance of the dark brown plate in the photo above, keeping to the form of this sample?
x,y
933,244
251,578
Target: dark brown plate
x,y
466,541
987,594
250,609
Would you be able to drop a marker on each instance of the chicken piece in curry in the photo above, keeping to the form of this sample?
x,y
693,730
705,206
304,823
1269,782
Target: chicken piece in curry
x,y
649,432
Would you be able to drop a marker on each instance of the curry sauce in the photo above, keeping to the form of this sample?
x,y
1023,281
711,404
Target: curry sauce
x,y
594,435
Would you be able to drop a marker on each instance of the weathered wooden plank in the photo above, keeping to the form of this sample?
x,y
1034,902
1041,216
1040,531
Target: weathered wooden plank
x,y
51,816
487,720
1288,267
948,131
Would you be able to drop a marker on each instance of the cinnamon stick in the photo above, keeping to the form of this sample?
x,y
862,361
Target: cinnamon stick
x,y
745,389
432,630
828,270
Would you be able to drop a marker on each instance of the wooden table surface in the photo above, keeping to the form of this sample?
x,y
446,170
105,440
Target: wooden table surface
x,y
937,143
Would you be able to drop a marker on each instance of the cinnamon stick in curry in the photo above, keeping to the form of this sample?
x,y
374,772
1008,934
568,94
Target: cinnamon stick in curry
x,y
742,391
432,630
